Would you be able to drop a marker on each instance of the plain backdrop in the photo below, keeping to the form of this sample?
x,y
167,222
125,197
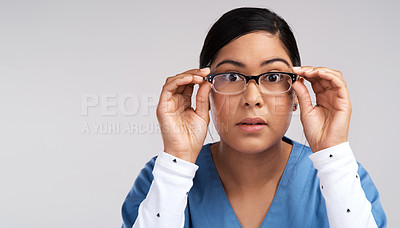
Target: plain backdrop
x,y
80,80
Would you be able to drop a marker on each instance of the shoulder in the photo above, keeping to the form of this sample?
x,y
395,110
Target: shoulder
x,y
137,193
148,168
144,179
373,196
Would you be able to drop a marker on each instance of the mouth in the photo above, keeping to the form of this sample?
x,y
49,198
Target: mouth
x,y
252,121
252,125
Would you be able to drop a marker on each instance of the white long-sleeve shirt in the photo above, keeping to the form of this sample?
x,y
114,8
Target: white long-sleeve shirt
x,y
345,200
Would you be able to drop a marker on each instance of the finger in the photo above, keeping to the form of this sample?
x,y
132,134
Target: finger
x,y
177,83
184,103
300,70
315,73
183,88
327,85
173,85
316,84
170,88
200,72
317,87
327,76
307,69
336,83
202,100
304,97
335,72
319,83
205,70
188,91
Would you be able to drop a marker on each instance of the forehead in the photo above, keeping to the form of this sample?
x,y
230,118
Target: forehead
x,y
253,49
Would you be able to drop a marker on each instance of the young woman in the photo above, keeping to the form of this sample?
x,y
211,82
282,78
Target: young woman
x,y
255,176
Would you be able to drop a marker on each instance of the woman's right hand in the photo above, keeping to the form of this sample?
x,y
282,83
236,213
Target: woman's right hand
x,y
184,129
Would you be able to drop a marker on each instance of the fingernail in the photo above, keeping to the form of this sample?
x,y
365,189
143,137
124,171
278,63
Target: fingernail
x,y
198,77
308,70
296,68
205,69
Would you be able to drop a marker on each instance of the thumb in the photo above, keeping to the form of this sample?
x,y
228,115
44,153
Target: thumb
x,y
303,96
202,102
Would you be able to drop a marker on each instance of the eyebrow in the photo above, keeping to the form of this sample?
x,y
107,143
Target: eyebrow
x,y
242,65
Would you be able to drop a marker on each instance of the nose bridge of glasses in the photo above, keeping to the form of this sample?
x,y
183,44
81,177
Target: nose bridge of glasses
x,y
252,88
248,78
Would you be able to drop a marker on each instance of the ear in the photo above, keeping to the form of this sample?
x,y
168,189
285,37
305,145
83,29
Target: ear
x,y
295,104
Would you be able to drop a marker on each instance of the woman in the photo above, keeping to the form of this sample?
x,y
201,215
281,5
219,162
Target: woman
x,y
254,176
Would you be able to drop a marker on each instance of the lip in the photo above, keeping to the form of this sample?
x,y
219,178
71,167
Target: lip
x,y
258,124
254,120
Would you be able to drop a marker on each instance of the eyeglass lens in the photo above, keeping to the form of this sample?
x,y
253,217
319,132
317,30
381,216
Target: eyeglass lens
x,y
270,83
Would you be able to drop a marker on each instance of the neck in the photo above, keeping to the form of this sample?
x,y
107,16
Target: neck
x,y
250,172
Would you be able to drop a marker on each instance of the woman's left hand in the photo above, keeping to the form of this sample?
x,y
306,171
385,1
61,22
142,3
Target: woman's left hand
x,y
327,123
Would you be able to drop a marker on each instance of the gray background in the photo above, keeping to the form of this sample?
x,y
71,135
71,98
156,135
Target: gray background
x,y
54,53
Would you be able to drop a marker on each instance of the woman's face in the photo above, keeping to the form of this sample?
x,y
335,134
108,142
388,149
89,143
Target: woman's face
x,y
228,110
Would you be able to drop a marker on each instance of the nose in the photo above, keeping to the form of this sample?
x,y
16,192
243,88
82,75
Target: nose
x,y
252,95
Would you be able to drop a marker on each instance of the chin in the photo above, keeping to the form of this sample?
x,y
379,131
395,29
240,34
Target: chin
x,y
252,145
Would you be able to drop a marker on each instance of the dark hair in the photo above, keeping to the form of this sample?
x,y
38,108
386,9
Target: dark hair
x,y
241,21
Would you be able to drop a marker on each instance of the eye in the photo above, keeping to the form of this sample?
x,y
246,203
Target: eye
x,y
232,77
273,77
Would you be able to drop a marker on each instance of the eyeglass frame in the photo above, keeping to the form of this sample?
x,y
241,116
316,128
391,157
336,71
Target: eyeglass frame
x,y
210,78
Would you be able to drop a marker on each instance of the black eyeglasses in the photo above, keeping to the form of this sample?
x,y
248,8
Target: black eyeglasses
x,y
233,82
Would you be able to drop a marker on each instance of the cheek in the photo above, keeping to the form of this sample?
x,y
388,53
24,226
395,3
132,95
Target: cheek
x,y
279,112
223,110
279,105
221,105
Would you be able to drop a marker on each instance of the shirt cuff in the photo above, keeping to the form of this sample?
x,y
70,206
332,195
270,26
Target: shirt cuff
x,y
171,162
340,153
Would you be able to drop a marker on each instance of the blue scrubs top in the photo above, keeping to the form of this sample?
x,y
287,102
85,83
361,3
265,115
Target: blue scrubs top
x,y
298,201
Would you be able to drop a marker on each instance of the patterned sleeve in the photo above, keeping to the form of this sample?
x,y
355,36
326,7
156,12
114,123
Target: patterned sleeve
x,y
158,197
351,197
